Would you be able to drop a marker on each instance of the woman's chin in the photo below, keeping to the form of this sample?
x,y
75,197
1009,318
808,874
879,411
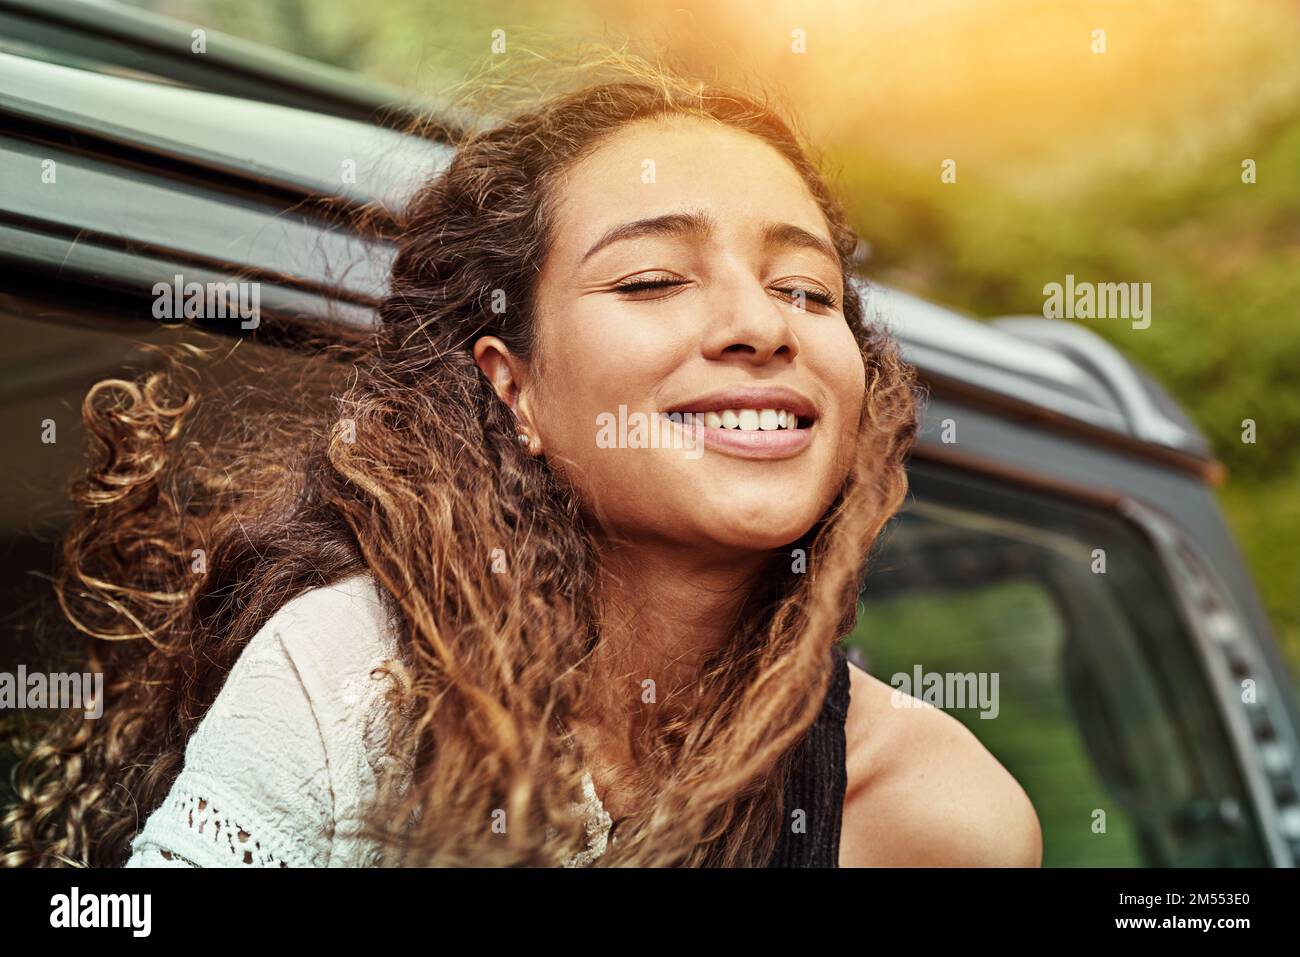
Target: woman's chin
x,y
759,533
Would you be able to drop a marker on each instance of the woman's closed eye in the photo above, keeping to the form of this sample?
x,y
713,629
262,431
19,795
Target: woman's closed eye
x,y
815,293
636,286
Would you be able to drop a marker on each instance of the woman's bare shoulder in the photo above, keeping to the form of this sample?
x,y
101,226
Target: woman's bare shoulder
x,y
923,791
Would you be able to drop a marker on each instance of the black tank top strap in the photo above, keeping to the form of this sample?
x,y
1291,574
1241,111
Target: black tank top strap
x,y
817,782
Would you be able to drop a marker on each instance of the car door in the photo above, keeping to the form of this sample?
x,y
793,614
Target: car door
x,y
1100,709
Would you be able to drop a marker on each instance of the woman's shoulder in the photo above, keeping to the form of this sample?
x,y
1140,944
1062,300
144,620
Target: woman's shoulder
x,y
338,642
334,635
324,646
288,753
924,791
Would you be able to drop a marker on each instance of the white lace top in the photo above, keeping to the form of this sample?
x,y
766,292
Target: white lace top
x,y
282,768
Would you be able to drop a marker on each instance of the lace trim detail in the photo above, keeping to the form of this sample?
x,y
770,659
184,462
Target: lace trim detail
x,y
154,856
228,836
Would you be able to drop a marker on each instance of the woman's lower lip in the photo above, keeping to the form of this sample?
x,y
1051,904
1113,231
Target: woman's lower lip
x,y
755,444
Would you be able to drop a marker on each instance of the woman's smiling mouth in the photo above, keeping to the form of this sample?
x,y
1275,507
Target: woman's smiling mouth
x,y
759,422
742,432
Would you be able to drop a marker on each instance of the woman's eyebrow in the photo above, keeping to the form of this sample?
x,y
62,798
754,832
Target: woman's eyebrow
x,y
698,223
788,234
692,223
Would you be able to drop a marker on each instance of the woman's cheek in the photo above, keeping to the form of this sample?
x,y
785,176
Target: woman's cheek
x,y
836,359
846,380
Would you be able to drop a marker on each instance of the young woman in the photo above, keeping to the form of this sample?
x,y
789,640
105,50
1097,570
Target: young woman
x,y
560,577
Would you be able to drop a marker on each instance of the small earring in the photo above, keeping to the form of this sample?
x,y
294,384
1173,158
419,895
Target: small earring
x,y
522,438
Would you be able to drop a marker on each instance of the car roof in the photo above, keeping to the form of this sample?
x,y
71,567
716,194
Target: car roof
x,y
1057,366
226,168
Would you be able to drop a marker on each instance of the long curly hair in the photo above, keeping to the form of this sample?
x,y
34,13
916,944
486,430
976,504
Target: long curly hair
x,y
427,482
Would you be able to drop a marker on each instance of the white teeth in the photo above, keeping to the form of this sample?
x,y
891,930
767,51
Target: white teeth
x,y
752,420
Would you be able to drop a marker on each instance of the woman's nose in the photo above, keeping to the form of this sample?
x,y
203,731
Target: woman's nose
x,y
749,320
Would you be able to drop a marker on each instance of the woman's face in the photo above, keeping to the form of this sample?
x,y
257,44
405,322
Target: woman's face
x,y
680,248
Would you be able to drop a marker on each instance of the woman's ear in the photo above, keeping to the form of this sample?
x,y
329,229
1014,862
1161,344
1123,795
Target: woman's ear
x,y
497,363
507,374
